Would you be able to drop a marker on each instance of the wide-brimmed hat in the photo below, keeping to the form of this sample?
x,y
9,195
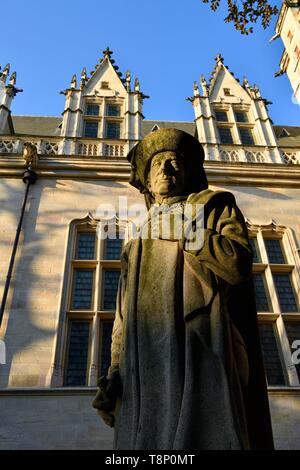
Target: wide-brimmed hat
x,y
164,140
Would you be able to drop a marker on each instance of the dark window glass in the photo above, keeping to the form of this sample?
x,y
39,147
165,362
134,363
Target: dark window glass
x,y
227,91
271,357
240,116
77,356
262,303
221,116
92,110
91,129
113,248
113,130
256,256
110,287
285,292
85,246
106,331
293,333
225,135
112,110
246,136
82,289
274,251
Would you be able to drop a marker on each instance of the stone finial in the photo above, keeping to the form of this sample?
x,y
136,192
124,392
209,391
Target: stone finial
x,y
256,91
73,82
107,53
137,85
83,74
204,86
219,59
128,80
5,73
196,89
30,155
13,79
83,77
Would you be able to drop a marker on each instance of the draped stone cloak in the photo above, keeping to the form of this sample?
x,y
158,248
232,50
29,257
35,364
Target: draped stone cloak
x,y
185,341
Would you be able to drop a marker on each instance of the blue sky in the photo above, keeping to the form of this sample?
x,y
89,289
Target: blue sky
x,y
166,43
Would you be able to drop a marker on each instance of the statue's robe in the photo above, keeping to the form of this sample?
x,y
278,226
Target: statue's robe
x,y
185,340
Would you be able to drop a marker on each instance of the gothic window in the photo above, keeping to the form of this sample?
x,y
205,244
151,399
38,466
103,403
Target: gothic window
x,y
112,130
246,136
221,116
93,271
112,110
241,116
227,91
277,286
92,110
91,129
225,135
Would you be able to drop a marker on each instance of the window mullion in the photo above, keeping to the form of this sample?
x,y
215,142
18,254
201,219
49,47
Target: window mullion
x,y
93,370
94,352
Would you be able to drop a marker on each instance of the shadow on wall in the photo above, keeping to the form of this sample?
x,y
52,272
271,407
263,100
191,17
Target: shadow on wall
x,y
21,334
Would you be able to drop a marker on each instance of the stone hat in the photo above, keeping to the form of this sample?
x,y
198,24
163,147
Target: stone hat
x,y
164,140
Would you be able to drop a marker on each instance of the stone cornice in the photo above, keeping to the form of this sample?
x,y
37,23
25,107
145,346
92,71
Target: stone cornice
x,y
2,106
69,110
79,167
135,113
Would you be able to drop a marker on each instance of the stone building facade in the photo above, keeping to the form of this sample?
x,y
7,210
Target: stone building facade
x,y
288,28
59,312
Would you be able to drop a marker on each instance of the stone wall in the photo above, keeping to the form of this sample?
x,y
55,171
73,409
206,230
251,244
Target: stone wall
x,y
57,419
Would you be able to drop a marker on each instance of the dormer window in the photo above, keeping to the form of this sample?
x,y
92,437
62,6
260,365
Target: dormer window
x,y
91,129
241,116
221,116
225,135
112,130
113,110
246,136
92,110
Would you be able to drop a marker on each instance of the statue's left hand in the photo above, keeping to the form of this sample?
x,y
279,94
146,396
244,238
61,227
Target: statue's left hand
x,y
105,400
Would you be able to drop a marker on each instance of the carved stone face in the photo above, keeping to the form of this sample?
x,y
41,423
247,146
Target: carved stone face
x,y
167,175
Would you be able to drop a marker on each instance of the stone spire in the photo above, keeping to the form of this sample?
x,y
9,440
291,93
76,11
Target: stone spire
x,y
7,93
73,82
5,73
128,81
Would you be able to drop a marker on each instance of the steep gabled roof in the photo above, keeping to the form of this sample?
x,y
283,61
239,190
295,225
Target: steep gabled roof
x,y
37,125
189,127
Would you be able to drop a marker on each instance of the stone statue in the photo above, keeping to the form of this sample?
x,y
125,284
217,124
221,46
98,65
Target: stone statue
x,y
186,367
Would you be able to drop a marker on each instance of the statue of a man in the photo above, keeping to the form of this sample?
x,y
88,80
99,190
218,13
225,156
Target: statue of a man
x,y
186,368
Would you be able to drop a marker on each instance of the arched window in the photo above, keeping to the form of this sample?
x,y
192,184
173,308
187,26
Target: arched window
x,y
277,287
88,304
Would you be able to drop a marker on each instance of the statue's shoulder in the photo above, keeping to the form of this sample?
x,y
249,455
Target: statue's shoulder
x,y
208,196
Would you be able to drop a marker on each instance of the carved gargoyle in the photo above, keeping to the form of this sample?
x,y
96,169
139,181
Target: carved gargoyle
x,y
30,155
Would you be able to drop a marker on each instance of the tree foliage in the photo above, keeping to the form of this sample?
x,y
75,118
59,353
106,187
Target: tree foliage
x,y
244,12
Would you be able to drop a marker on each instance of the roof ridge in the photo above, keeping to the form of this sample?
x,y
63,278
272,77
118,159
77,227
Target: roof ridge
x,y
35,115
